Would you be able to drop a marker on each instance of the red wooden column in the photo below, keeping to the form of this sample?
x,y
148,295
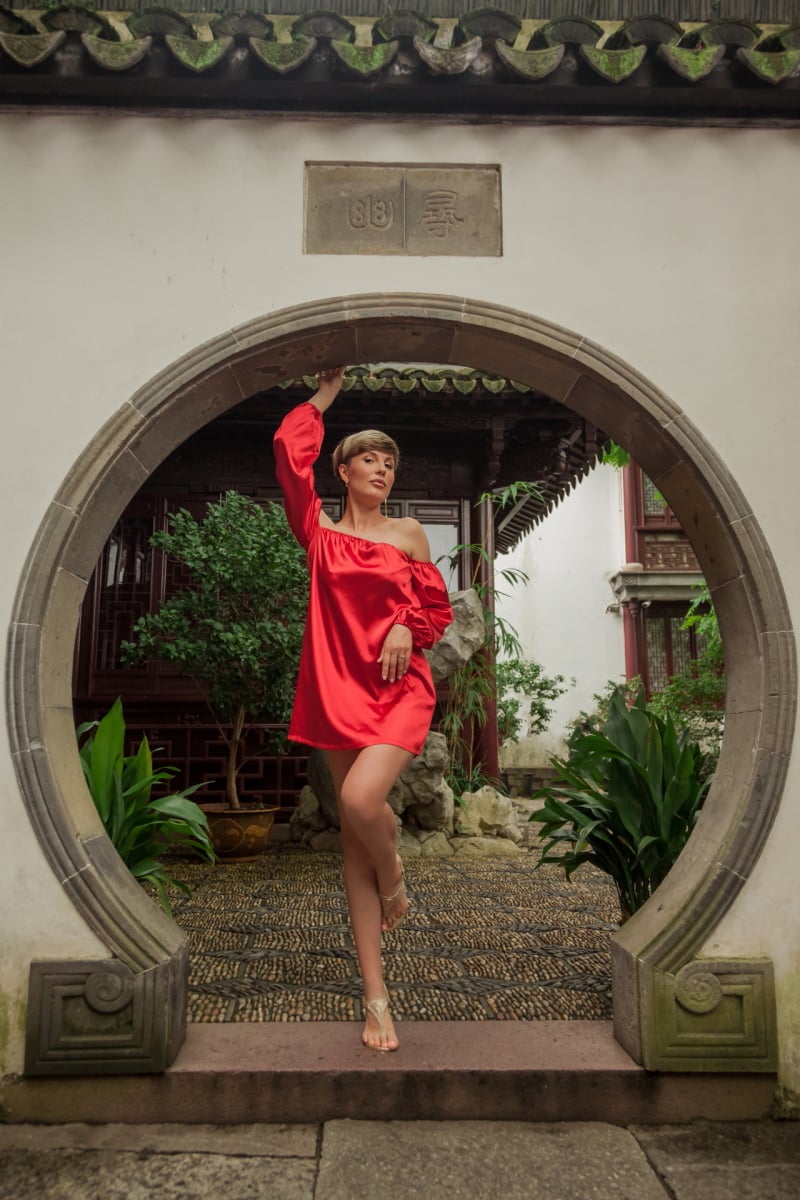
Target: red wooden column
x,y
632,620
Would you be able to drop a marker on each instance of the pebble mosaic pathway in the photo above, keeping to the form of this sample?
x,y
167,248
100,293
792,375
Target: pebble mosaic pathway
x,y
486,939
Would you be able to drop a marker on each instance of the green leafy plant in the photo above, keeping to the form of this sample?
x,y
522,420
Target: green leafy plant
x,y
613,455
236,629
626,799
474,684
462,782
141,828
525,695
695,696
592,720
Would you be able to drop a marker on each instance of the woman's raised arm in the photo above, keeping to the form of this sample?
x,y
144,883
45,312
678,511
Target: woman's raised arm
x,y
329,384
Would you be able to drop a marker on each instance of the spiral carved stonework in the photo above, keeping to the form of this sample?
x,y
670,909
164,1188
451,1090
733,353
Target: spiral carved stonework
x,y
714,1015
110,990
89,1015
697,990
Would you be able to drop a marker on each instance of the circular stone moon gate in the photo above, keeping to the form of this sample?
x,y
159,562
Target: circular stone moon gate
x,y
674,1009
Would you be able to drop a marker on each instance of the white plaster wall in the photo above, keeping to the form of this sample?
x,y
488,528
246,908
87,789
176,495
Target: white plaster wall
x,y
128,241
562,613
35,920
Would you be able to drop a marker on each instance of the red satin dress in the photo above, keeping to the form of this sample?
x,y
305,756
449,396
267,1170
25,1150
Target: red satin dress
x,y
359,589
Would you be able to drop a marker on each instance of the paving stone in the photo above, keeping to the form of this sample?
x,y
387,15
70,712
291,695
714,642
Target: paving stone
x,y
751,1160
271,941
742,1182
112,1175
257,1140
482,1160
707,1142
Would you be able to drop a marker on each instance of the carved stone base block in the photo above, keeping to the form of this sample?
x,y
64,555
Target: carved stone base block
x,y
714,1015
92,1018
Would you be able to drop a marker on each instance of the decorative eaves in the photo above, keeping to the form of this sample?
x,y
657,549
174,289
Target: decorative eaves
x,y
560,464
419,380
487,62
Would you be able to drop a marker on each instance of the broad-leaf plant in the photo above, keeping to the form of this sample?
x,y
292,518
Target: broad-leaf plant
x,y
626,799
141,828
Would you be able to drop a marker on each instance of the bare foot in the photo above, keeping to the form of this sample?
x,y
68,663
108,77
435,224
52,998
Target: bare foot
x,y
395,904
379,1031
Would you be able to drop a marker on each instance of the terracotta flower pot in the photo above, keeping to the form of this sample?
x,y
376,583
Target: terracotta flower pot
x,y
239,836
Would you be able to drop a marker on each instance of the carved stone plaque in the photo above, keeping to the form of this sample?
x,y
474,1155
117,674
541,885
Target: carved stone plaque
x,y
369,208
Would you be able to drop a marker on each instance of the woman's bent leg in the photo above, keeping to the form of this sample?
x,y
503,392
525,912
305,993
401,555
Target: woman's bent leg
x,y
362,800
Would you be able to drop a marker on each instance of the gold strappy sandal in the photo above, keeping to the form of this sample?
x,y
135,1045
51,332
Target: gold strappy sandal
x,y
388,901
377,1010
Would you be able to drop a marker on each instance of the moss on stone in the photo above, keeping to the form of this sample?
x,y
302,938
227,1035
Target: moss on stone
x,y
772,68
78,17
28,50
158,22
242,24
198,56
614,65
14,22
324,24
692,64
405,24
365,60
490,22
531,64
116,56
12,1021
283,57
575,31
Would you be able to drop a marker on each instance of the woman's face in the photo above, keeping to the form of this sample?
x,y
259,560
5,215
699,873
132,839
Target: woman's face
x,y
369,474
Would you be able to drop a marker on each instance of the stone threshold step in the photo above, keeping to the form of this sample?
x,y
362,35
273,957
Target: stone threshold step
x,y
444,1070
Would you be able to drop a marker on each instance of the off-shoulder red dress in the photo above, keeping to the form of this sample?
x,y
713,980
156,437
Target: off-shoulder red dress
x,y
359,589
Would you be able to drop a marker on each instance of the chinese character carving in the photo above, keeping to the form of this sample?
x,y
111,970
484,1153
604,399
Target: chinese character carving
x,y
370,212
439,217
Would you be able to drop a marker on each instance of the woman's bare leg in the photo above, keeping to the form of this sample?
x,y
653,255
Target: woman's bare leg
x,y
362,799
361,789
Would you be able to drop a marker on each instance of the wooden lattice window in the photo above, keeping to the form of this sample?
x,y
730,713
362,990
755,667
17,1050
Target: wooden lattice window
x,y
123,588
669,648
660,543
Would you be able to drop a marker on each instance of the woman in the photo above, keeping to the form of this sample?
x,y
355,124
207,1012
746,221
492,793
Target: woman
x,y
364,690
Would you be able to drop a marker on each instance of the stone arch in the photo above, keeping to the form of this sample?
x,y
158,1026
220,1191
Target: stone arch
x,y
668,1013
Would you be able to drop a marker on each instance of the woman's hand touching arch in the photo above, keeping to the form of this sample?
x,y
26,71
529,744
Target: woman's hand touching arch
x,y
329,384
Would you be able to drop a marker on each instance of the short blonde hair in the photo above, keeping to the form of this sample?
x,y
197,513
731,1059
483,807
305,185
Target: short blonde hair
x,y
359,443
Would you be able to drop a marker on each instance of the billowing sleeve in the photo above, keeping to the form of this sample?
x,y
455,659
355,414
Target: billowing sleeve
x,y
430,616
297,444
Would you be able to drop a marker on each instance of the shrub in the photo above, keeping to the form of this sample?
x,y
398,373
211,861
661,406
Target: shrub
x,y
524,698
141,829
626,799
236,630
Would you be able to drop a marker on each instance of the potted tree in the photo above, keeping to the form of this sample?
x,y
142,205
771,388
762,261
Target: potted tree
x,y
236,630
